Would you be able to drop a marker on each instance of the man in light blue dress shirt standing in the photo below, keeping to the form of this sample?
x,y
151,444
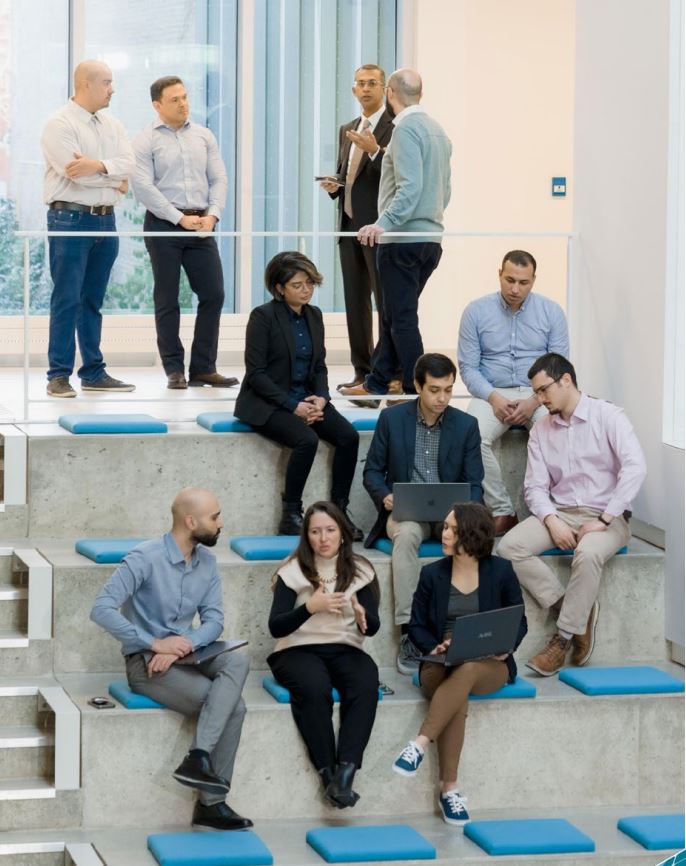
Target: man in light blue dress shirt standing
x,y
181,181
501,335
149,605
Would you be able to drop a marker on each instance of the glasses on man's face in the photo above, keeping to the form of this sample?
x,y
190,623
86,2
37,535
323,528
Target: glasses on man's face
x,y
539,392
369,82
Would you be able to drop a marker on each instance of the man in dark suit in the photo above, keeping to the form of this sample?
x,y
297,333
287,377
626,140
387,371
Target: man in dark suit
x,y
423,441
361,145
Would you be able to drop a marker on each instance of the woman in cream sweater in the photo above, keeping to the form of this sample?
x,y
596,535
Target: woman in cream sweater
x,y
326,601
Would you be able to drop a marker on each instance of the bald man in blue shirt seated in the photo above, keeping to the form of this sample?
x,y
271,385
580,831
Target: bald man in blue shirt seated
x,y
149,605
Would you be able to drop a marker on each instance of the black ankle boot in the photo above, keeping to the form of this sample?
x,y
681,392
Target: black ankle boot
x,y
340,791
355,531
291,518
326,775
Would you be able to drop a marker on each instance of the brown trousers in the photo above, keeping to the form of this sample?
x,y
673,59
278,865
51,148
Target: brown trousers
x,y
448,689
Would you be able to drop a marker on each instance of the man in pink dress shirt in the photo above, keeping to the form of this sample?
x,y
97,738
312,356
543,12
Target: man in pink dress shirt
x,y
585,466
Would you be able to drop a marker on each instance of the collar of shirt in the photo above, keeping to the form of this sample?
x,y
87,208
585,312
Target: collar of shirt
x,y
422,420
160,124
373,119
411,109
580,413
296,317
506,307
83,113
174,553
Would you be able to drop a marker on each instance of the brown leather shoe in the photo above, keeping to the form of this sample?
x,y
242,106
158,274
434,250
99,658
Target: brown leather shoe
x,y
358,380
551,659
360,391
214,380
504,523
176,382
582,644
395,386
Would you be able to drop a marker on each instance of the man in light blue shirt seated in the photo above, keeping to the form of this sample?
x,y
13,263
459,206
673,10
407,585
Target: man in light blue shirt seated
x,y
149,605
501,335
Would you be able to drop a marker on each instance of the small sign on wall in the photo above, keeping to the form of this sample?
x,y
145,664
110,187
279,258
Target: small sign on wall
x,y
559,187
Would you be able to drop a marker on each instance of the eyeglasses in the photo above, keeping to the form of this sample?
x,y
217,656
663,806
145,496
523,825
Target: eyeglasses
x,y
371,82
539,392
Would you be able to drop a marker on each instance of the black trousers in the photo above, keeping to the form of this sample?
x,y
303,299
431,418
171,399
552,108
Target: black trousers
x,y
360,282
199,257
403,270
287,429
309,672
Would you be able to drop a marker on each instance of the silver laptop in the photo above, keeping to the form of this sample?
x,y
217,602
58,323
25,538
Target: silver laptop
x,y
479,635
427,502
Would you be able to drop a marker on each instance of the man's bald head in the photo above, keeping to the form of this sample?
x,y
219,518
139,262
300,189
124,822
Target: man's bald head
x,y
406,85
93,85
196,515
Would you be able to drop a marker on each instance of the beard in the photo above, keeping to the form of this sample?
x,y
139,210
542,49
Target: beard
x,y
205,538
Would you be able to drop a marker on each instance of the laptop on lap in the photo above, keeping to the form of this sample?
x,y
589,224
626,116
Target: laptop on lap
x,y
479,635
427,503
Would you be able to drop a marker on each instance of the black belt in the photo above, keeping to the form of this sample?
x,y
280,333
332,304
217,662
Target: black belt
x,y
193,212
94,210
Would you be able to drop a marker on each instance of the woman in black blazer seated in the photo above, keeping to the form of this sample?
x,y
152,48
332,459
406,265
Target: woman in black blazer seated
x,y
469,580
285,393
326,601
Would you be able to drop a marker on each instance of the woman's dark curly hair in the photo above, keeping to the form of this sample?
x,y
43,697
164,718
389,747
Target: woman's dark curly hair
x,y
475,529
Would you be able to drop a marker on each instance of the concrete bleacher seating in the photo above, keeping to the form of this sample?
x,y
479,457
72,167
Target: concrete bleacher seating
x,y
619,755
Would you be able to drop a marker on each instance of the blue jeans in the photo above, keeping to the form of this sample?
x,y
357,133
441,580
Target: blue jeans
x,y
80,270
403,272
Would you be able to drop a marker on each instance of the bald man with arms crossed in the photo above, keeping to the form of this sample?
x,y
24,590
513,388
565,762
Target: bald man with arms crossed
x,y
149,604
88,161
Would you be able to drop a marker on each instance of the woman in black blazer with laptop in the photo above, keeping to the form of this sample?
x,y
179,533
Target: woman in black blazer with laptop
x,y
285,393
469,580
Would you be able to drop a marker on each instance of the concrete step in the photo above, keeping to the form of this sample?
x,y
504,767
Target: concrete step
x,y
631,624
14,609
34,804
26,754
97,474
127,846
18,654
18,709
607,750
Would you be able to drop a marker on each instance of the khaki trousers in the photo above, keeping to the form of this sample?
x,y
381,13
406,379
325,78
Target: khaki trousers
x,y
448,689
496,496
406,536
522,545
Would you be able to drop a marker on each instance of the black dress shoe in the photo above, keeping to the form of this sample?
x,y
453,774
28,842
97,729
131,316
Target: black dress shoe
x,y
176,382
214,380
220,817
340,792
196,772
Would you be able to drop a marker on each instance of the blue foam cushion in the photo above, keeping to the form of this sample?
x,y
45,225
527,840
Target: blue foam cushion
x,y
362,419
107,550
558,551
426,548
655,832
264,546
621,681
283,696
359,844
219,848
132,701
534,836
520,688
112,424
222,422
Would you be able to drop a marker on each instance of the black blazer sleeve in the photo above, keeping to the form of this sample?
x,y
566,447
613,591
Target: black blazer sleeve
x,y
258,348
473,463
424,630
376,465
511,594
320,374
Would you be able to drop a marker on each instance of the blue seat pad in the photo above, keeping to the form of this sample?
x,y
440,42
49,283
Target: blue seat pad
x,y
219,848
275,547
359,844
625,680
112,424
558,551
131,700
531,836
520,688
283,696
655,832
426,548
362,419
107,550
222,422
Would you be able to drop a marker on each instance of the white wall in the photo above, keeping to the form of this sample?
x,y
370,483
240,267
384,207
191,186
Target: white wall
x,y
499,76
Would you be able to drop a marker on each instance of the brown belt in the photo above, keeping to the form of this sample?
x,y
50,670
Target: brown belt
x,y
94,210
193,212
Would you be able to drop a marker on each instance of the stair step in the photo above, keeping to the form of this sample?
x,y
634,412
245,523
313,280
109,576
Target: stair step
x,y
25,737
12,639
26,789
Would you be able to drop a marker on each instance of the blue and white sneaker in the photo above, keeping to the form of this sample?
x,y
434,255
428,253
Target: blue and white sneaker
x,y
408,761
453,808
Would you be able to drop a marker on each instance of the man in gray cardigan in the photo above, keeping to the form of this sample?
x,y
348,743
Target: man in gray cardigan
x,y
414,190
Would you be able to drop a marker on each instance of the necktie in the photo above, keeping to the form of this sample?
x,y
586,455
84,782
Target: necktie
x,y
352,173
